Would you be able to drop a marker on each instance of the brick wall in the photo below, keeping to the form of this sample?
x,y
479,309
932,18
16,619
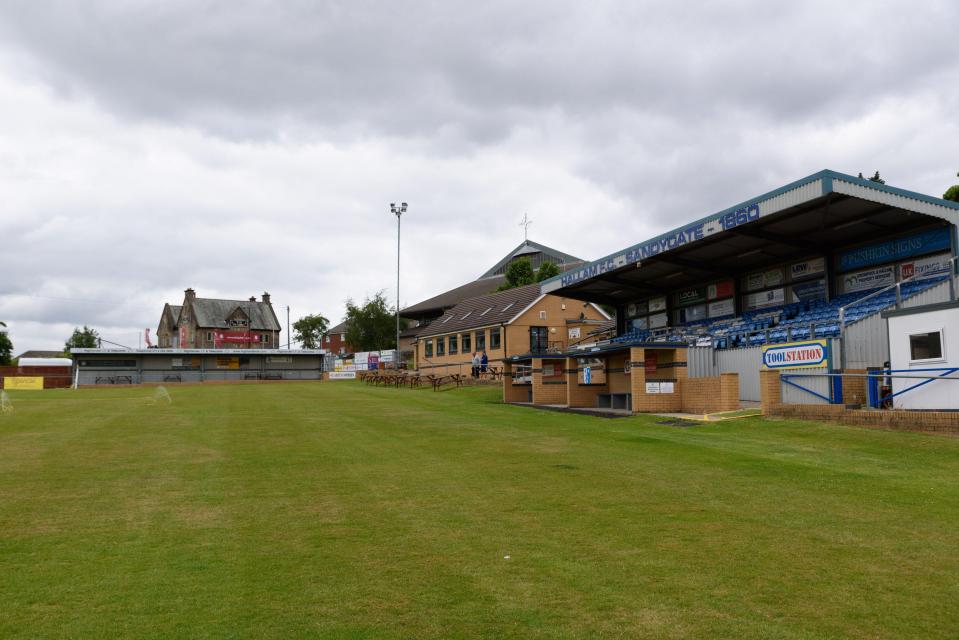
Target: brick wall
x,y
549,389
670,365
938,421
580,395
854,389
770,391
711,394
513,392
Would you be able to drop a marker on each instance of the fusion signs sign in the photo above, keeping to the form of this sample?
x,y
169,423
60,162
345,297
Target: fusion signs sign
x,y
894,250
796,355
672,240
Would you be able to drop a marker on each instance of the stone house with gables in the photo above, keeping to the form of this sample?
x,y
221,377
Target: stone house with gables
x,y
211,323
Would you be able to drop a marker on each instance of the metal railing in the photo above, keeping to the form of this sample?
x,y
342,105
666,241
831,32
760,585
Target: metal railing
x,y
876,398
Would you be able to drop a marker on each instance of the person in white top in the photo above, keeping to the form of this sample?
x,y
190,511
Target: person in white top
x,y
476,364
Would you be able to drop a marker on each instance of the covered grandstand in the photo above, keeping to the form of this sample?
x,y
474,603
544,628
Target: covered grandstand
x,y
816,258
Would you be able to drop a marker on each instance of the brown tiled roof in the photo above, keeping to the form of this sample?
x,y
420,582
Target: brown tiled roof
x,y
340,328
497,308
41,354
489,282
453,297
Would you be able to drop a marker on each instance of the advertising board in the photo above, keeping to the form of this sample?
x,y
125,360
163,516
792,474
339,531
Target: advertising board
x,y
796,355
23,383
895,250
868,279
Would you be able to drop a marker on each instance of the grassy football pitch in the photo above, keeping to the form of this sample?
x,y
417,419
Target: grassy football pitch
x,y
342,511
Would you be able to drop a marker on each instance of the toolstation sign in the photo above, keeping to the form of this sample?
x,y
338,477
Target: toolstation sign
x,y
796,355
672,240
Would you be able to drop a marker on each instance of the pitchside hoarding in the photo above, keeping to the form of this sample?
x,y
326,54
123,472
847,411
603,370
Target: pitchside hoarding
x,y
808,354
23,383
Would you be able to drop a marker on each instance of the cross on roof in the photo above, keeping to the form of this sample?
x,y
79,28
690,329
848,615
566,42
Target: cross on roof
x,y
525,224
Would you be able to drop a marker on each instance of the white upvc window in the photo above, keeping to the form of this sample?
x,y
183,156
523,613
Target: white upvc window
x,y
926,347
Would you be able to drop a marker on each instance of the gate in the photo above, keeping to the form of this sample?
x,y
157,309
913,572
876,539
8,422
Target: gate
x,y
746,362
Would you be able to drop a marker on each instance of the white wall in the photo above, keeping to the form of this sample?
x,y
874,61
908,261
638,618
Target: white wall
x,y
934,395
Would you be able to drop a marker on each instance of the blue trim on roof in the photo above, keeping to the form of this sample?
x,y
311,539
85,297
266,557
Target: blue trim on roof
x,y
826,175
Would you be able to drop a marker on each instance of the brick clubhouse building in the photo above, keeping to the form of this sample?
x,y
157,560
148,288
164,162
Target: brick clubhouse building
x,y
210,323
505,324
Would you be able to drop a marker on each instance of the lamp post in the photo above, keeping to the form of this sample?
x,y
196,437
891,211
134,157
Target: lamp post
x,y
398,211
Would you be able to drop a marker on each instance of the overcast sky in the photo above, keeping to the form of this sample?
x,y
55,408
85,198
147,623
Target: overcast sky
x,y
241,147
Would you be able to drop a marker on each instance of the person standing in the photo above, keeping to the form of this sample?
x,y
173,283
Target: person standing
x,y
476,364
484,361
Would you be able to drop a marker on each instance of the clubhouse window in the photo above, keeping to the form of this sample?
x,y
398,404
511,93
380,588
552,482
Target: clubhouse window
x,y
494,338
925,347
441,346
465,343
453,342
480,340
428,348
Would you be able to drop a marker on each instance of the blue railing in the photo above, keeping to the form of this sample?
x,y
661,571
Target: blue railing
x,y
879,396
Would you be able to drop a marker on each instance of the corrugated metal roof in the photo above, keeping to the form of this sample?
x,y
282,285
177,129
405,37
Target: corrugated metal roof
x,y
483,311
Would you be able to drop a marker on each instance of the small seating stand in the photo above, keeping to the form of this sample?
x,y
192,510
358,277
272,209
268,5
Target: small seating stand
x,y
275,375
622,401
172,379
251,375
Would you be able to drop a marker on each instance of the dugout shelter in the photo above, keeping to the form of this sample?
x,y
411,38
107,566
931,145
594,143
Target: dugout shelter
x,y
815,260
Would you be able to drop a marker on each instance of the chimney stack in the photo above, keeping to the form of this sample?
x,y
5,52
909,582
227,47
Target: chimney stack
x,y
190,294
266,297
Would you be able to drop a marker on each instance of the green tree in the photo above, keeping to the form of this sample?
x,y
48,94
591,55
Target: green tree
x,y
85,338
371,327
6,346
518,273
309,331
546,271
874,178
952,193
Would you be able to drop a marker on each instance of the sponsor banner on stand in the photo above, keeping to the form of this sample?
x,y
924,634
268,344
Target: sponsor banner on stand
x,y
925,267
342,375
808,291
657,304
658,321
868,279
693,314
805,268
721,308
228,362
895,250
796,355
771,298
722,289
691,296
235,337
